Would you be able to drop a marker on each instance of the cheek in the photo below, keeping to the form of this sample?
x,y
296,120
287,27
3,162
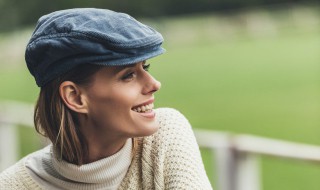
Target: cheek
x,y
110,105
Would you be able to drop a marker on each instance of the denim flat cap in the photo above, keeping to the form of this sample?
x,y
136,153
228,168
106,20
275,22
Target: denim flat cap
x,y
67,38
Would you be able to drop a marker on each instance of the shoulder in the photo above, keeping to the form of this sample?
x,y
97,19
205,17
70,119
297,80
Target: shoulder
x,y
11,178
169,114
173,125
175,132
174,153
169,117
17,176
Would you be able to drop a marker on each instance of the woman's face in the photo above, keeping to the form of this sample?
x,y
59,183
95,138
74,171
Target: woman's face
x,y
120,102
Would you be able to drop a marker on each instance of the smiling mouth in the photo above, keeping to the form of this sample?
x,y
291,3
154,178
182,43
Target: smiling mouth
x,y
143,108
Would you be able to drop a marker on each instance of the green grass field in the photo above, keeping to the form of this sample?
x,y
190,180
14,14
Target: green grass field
x,y
265,83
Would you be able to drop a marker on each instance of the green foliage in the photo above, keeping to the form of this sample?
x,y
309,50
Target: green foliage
x,y
29,141
15,14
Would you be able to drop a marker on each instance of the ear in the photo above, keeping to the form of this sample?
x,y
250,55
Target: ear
x,y
72,96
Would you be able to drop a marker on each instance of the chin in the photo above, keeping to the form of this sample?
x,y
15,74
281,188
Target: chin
x,y
148,129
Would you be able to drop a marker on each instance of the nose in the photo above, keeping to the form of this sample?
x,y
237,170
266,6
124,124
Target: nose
x,y
151,85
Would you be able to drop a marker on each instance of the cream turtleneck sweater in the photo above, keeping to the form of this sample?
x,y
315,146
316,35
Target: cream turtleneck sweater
x,y
167,160
54,174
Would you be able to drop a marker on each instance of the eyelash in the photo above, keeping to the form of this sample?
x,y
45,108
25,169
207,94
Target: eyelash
x,y
131,74
146,67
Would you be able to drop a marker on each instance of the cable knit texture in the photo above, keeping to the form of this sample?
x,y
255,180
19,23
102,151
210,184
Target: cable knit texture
x,y
169,159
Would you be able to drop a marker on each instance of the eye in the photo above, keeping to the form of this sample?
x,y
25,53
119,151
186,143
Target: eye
x,y
146,67
128,76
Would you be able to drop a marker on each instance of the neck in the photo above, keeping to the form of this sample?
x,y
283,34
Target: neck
x,y
101,143
99,150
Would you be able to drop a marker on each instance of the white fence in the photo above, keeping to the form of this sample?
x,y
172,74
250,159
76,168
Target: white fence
x,y
236,156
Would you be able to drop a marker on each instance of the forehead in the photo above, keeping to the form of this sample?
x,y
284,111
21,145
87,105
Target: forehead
x,y
114,70
117,69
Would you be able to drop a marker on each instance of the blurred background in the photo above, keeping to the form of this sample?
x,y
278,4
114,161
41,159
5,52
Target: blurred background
x,y
243,67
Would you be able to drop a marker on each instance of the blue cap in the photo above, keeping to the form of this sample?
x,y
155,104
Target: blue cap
x,y
67,38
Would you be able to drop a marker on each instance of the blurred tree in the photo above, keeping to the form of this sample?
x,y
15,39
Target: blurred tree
x,y
18,13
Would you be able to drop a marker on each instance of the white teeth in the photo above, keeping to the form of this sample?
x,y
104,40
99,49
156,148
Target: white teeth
x,y
144,108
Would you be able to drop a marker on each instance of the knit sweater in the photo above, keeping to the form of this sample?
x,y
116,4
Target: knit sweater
x,y
169,159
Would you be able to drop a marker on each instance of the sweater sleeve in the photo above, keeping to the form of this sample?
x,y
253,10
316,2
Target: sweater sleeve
x,y
183,166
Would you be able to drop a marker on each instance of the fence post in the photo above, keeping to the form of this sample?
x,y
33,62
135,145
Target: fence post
x,y
12,114
8,145
220,144
247,171
225,167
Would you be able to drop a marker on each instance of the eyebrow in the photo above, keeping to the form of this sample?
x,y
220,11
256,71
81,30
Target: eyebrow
x,y
118,69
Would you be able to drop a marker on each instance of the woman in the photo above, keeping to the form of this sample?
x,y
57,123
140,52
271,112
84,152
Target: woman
x,y
96,106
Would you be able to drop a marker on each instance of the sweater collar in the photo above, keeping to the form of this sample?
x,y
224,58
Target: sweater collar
x,y
110,170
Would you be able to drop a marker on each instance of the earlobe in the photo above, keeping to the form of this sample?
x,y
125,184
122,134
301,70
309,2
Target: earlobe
x,y
73,97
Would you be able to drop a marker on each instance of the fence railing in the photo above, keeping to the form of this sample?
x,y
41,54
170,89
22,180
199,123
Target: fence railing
x,y
236,156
